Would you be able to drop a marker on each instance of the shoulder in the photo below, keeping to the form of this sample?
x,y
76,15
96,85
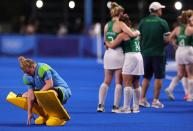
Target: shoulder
x,y
120,22
27,79
43,68
144,18
189,30
142,21
106,26
162,20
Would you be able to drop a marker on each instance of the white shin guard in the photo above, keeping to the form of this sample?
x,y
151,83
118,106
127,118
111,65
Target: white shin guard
x,y
117,94
127,96
103,93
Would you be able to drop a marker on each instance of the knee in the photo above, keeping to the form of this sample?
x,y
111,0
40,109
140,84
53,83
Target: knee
x,y
180,76
107,83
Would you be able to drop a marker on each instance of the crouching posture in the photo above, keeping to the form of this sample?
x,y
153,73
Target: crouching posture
x,y
46,93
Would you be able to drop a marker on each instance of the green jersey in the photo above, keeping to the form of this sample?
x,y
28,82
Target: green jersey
x,y
132,45
152,29
182,39
110,35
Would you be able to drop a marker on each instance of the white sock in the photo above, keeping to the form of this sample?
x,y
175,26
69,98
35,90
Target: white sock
x,y
190,88
173,83
185,84
136,96
117,94
103,93
127,96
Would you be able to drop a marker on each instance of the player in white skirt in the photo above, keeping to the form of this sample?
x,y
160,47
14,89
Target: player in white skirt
x,y
183,37
132,68
113,58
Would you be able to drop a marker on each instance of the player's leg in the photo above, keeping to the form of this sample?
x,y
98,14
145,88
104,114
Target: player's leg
x,y
175,80
189,70
185,86
159,70
127,92
148,72
136,94
104,89
118,90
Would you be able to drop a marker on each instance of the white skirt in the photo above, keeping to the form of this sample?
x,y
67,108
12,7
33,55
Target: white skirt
x,y
184,55
113,58
133,64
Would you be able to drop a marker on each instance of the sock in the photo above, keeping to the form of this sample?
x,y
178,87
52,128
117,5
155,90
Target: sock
x,y
185,84
136,96
103,93
117,94
127,96
173,83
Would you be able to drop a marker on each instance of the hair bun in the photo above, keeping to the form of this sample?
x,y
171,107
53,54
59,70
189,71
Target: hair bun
x,y
113,5
21,58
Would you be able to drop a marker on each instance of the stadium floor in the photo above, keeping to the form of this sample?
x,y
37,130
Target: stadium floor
x,y
84,76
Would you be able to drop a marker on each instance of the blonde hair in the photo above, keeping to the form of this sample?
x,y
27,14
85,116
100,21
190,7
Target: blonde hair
x,y
116,9
185,16
25,63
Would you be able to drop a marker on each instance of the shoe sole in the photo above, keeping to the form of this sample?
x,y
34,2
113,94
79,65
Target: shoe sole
x,y
136,111
144,106
157,107
100,111
114,111
123,112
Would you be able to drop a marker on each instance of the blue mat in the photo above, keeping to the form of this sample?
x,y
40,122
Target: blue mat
x,y
84,77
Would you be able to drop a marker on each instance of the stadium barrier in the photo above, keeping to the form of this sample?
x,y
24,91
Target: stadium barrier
x,y
78,46
49,46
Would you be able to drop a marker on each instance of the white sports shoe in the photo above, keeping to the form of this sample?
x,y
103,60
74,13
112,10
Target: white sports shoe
x,y
157,104
100,108
170,94
124,110
144,103
136,109
115,109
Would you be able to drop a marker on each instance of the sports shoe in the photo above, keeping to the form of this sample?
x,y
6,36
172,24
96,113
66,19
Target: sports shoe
x,y
124,110
157,104
188,98
55,121
169,94
115,109
135,109
144,103
100,108
40,120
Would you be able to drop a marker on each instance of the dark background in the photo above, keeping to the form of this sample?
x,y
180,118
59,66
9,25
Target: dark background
x,y
55,12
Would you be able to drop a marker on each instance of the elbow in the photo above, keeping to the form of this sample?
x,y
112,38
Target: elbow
x,y
135,34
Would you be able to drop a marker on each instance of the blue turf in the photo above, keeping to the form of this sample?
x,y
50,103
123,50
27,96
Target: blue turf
x,y
84,77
